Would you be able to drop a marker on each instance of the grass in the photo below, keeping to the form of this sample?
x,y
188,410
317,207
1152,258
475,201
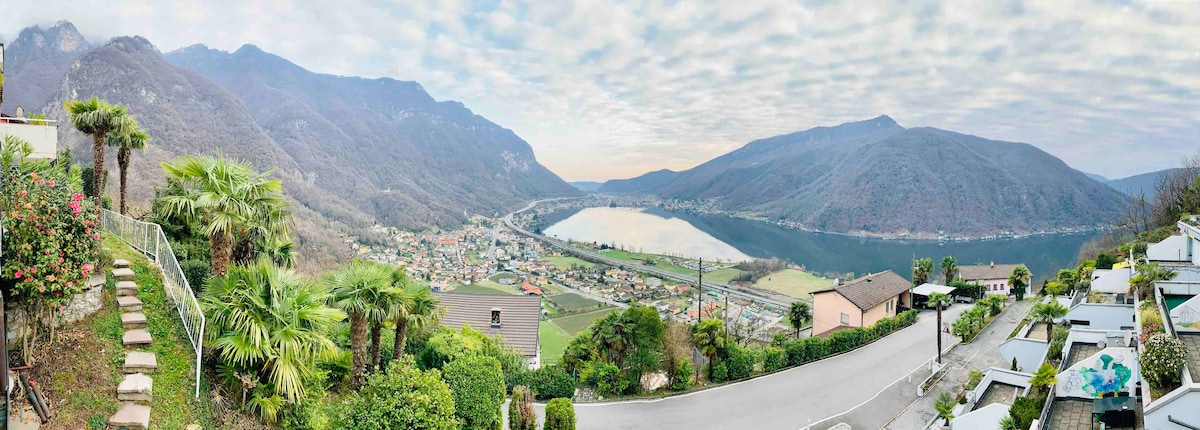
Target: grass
x,y
553,340
647,259
572,301
722,276
793,283
573,324
565,262
497,277
486,288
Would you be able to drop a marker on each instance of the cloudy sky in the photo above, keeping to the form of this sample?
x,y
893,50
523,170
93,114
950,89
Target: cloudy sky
x,y
604,89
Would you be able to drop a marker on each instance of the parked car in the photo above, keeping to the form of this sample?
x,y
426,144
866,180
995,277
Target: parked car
x,y
964,299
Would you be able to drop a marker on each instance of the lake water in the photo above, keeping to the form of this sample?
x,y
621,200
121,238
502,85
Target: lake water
x,y
714,236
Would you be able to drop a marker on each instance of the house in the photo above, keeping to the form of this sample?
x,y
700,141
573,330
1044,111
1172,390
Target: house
x,y
993,277
530,290
514,318
859,303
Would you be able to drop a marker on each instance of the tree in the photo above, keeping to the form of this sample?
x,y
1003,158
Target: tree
x,y
521,415
478,386
268,327
994,302
709,337
1046,313
126,138
1147,275
610,334
1043,378
939,300
797,314
945,406
1054,288
420,312
1105,261
922,269
359,289
97,118
1019,279
233,203
403,398
949,269
1068,278
560,415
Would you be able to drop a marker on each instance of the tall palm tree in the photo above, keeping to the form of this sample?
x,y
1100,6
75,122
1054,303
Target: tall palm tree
x,y
126,138
230,199
1147,275
922,268
271,322
1046,313
421,311
358,289
97,118
709,337
1019,279
1043,378
938,300
797,314
949,269
612,336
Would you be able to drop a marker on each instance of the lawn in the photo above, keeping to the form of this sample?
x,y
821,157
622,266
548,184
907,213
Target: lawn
x,y
572,301
553,340
647,259
486,288
793,283
503,275
722,276
573,324
565,262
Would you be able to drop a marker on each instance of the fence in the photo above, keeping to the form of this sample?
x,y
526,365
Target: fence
x,y
150,240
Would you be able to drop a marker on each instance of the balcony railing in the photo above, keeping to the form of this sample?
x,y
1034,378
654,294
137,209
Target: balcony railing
x,y
41,134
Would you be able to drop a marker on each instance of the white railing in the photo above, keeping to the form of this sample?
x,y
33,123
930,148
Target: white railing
x,y
150,240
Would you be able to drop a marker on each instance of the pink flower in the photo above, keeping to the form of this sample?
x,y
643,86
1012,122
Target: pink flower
x,y
19,273
51,182
32,270
41,182
41,288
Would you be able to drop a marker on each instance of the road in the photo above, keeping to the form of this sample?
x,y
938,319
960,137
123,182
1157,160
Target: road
x,y
773,299
787,400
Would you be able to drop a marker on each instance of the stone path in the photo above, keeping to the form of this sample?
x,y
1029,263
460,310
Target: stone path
x,y
136,391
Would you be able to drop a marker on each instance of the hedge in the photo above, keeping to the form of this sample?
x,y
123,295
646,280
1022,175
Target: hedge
x,y
800,351
478,387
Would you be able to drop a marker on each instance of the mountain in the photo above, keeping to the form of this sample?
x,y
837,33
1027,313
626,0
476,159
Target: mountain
x,y
875,177
36,62
586,186
1135,185
384,145
1097,178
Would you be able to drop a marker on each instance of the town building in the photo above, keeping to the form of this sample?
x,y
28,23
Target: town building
x,y
993,277
860,303
513,318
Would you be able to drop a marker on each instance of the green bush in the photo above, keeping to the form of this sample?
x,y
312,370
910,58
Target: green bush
x,y
1058,337
521,415
403,398
1026,409
478,387
609,380
794,349
683,375
973,378
773,359
551,382
560,415
197,272
720,373
741,363
1162,361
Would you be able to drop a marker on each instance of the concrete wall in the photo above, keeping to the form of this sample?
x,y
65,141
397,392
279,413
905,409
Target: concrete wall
x,y
1102,316
1180,406
1112,369
44,139
828,308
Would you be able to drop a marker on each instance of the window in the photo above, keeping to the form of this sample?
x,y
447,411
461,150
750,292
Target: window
x,y
495,317
845,318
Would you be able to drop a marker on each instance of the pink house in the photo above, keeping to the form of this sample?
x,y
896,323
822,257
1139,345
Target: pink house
x,y
993,277
859,303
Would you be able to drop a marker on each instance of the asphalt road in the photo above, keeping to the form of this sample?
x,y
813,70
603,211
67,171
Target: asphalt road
x,y
788,400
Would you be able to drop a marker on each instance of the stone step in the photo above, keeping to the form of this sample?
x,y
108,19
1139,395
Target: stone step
x,y
126,288
133,320
129,303
136,388
131,416
140,362
120,264
123,274
96,279
136,337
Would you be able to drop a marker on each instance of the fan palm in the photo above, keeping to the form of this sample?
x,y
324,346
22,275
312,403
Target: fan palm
x,y
945,406
233,203
362,289
612,334
939,300
127,137
922,268
272,322
1043,378
949,269
419,311
797,314
96,118
1019,279
1147,275
1046,313
709,337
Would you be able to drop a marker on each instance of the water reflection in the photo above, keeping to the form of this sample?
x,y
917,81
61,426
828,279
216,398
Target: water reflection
x,y
642,232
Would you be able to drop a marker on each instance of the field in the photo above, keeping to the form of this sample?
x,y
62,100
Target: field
x,y
503,275
573,324
486,287
646,259
793,283
553,340
572,301
722,276
565,262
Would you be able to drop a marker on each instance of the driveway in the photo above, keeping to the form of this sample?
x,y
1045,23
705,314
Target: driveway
x,y
787,400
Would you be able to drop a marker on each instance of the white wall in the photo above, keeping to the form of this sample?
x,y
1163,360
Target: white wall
x,y
1182,408
44,139
1102,316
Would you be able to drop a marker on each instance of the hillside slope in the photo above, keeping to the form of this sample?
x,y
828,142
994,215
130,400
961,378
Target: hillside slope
x,y
1135,185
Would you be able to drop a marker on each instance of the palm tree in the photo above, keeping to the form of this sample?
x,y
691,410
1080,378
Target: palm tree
x,y
611,334
1008,423
945,406
949,269
922,268
709,337
421,311
1046,313
97,118
1054,288
1043,378
939,299
270,322
357,288
797,314
994,302
126,138
232,202
1147,275
1019,279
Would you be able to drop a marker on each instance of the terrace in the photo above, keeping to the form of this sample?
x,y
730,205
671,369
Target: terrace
x,y
999,393
1076,414
1192,341
41,134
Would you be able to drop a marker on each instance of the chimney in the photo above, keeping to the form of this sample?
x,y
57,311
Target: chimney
x,y
993,264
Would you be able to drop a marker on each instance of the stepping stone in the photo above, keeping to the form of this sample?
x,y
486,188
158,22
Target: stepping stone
x,y
136,337
129,303
123,274
126,288
120,264
96,279
132,416
136,388
140,362
133,320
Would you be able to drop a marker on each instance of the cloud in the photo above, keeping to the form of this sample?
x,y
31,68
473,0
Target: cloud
x,y
603,89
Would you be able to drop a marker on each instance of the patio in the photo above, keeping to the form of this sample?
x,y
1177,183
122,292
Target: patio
x,y
999,393
1076,414
1192,341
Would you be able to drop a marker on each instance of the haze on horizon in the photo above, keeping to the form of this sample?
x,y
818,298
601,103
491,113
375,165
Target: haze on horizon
x,y
611,91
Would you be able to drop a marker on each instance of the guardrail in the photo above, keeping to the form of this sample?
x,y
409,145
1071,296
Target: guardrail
x,y
149,239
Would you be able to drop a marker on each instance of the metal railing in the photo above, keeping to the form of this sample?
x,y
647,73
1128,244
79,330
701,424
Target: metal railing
x,y
150,240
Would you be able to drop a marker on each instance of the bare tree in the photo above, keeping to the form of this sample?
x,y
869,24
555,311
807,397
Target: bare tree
x,y
1176,192
1139,216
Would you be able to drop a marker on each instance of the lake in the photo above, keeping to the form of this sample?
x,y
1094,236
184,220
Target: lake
x,y
655,230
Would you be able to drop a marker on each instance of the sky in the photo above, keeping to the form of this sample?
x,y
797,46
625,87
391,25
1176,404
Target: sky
x,y
608,89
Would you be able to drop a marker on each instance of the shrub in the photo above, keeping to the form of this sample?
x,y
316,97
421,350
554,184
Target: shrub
x,y
973,378
1162,361
197,272
1151,316
560,415
683,375
844,340
741,362
521,415
1026,409
609,380
773,359
551,382
794,349
720,373
815,349
403,398
1058,337
478,387
105,261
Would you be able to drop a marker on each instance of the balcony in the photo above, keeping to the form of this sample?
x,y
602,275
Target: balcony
x,y
41,134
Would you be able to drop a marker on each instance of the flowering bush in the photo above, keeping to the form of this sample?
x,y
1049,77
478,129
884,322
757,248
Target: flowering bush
x,y
1150,329
1162,361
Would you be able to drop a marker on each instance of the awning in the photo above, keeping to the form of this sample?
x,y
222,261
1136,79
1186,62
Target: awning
x,y
927,289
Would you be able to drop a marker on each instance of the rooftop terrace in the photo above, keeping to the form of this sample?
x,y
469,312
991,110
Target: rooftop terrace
x,y
1076,414
1192,341
999,393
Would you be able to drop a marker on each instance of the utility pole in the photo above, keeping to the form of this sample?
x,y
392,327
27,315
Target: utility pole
x,y
700,292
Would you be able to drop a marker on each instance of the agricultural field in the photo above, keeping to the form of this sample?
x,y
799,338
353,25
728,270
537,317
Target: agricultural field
x,y
553,340
722,276
647,259
486,287
793,283
573,324
565,262
572,301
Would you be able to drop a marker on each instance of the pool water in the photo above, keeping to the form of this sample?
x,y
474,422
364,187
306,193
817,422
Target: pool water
x,y
1174,300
